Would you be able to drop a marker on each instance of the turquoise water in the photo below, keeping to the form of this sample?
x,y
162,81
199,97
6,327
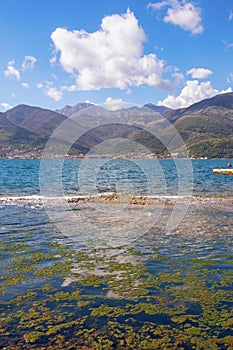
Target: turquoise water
x,y
139,285
21,177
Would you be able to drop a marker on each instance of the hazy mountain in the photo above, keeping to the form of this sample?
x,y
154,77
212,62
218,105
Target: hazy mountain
x,y
97,115
109,125
159,109
206,128
32,126
69,110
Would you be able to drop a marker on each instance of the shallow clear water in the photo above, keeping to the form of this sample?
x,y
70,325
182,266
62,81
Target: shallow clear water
x,y
111,274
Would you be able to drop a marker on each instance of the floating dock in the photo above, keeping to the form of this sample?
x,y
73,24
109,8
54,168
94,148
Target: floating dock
x,y
223,171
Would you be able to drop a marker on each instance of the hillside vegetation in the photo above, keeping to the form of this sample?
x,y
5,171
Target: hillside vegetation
x,y
206,128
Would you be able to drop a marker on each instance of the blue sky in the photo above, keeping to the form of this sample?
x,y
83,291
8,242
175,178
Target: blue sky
x,y
170,52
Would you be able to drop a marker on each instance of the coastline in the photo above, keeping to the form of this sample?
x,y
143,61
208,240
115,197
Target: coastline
x,y
116,199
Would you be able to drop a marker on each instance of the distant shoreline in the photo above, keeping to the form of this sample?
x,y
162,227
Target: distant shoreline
x,y
24,157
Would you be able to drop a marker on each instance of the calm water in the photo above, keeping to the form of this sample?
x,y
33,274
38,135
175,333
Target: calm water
x,y
21,177
113,274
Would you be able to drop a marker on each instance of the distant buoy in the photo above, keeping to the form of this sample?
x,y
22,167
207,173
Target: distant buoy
x,y
229,165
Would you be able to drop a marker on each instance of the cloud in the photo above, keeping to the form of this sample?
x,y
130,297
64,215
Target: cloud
x,y
70,88
6,106
191,93
199,73
111,57
227,45
157,5
53,59
25,85
177,75
40,85
12,71
230,18
230,78
54,93
50,90
28,62
183,14
114,104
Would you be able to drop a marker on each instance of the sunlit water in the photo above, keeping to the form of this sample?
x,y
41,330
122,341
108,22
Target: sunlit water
x,y
21,177
120,268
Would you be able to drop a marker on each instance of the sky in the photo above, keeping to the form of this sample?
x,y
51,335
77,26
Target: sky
x,y
167,52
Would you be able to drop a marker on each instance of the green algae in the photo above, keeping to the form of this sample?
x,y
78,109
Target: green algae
x,y
32,337
113,302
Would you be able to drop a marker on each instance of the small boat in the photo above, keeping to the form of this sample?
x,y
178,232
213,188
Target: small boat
x,y
223,171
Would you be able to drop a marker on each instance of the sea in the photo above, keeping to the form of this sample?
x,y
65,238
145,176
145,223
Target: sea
x,y
116,254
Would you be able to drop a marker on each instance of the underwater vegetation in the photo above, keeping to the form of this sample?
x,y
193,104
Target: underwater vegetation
x,y
54,296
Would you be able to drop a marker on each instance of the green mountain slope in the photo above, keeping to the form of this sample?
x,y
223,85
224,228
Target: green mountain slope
x,y
16,140
206,128
38,120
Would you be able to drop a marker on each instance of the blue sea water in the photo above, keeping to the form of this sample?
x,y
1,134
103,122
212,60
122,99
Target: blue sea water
x,y
20,177
29,231
27,185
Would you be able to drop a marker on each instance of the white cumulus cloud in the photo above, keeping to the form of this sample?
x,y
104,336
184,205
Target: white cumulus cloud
x,y
12,71
25,85
50,90
111,57
114,104
181,13
6,106
191,93
28,62
199,73
54,93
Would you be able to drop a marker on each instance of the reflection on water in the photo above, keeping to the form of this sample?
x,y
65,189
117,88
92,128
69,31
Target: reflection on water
x,y
161,290
103,270
139,176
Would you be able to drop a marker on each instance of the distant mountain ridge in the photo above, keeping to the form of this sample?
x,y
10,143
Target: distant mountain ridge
x,y
159,109
69,110
206,127
218,101
39,120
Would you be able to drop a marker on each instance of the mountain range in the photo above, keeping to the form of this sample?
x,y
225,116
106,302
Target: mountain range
x,y
206,128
